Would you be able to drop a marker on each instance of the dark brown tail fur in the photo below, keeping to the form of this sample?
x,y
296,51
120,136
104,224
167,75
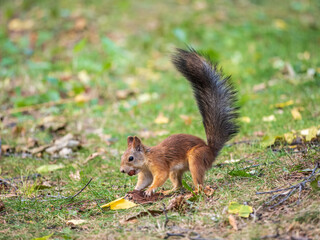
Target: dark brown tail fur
x,y
215,96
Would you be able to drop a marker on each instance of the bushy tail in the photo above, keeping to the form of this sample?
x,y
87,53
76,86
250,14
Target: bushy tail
x,y
215,96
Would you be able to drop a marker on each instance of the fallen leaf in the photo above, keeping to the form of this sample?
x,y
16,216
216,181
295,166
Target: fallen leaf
x,y
233,222
75,176
138,196
120,203
177,203
288,70
18,25
80,24
270,118
241,210
84,77
259,133
284,104
76,222
145,97
259,87
296,114
65,152
310,133
141,214
67,141
187,119
92,156
82,98
315,184
245,119
1,206
53,123
49,168
124,93
280,24
209,191
161,119
44,237
232,160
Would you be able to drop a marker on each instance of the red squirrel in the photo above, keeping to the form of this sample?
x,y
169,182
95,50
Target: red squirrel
x,y
216,100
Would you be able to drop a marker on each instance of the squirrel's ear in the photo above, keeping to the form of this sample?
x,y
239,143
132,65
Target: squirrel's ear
x,y
137,143
130,140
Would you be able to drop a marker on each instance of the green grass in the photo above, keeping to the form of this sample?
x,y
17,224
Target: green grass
x,y
97,48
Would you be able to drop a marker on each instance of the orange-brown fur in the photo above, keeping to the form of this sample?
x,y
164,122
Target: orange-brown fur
x,y
169,159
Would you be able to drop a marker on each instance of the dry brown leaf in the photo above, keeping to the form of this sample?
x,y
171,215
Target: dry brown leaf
x,y
80,24
177,203
259,87
187,119
161,119
233,222
134,219
92,156
125,93
288,70
209,191
75,176
18,25
138,196
259,133
1,206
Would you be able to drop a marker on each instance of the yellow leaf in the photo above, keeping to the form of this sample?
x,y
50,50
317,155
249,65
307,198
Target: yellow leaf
x,y
280,24
284,104
81,98
289,137
296,114
44,237
245,119
242,210
309,133
119,203
187,119
161,119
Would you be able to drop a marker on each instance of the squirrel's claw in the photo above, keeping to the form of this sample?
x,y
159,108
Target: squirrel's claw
x,y
148,192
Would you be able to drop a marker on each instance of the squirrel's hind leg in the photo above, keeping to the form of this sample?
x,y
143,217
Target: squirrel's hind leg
x,y
199,159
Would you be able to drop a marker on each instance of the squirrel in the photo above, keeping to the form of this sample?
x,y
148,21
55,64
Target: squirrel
x,y
217,102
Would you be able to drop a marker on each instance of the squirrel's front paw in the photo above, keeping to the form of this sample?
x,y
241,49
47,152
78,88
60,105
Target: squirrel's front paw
x,y
149,192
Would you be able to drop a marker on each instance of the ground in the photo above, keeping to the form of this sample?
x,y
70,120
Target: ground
x,y
95,72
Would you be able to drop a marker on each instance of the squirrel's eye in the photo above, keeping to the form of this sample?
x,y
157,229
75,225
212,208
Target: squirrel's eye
x,y
130,158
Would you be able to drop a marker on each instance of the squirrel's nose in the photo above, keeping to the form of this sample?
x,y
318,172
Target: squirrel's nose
x,y
122,171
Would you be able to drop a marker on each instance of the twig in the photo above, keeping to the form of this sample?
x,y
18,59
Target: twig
x,y
287,192
165,214
242,142
81,189
40,105
173,235
4,182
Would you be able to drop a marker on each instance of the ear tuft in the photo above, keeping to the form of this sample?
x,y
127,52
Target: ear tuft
x,y
130,140
137,143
